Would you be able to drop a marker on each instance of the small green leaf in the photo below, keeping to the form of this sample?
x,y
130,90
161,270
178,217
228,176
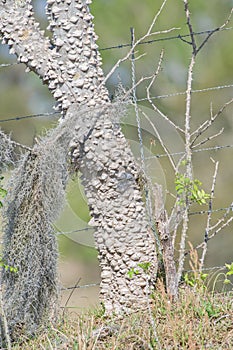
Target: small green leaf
x,y
132,272
227,281
145,266
3,192
229,273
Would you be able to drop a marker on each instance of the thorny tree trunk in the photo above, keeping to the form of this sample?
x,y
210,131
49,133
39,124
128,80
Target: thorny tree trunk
x,y
70,66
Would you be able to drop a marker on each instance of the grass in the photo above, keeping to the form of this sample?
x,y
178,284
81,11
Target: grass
x,y
198,320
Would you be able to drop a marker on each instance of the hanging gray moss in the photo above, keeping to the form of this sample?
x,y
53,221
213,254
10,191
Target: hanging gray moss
x,y
36,193
6,150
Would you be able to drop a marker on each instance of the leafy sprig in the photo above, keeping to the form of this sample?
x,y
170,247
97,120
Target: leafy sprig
x,y
190,190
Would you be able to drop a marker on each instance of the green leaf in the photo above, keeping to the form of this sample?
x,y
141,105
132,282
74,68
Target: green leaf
x,y
227,281
145,266
3,192
132,272
230,270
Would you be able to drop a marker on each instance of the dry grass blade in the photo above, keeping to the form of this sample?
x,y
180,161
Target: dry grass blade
x,y
198,319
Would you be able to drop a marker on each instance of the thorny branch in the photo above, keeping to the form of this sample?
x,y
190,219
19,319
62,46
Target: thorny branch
x,y
139,41
188,151
193,41
196,49
223,221
190,137
207,139
162,223
208,123
214,31
149,98
189,142
209,216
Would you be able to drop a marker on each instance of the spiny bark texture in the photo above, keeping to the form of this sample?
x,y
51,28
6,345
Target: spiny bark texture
x,y
71,67
122,237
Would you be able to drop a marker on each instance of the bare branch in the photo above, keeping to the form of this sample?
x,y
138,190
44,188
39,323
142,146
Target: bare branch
x,y
221,227
214,31
208,138
187,13
188,151
203,127
149,98
214,227
155,18
222,219
166,241
160,139
175,219
209,216
196,49
139,41
141,80
182,253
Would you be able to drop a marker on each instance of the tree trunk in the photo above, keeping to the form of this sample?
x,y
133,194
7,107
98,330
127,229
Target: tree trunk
x,y
71,67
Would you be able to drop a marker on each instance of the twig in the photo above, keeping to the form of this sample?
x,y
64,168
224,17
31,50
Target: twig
x,y
175,219
214,31
209,216
222,219
161,218
157,110
149,98
70,295
196,49
184,92
182,245
188,151
133,72
203,127
143,165
215,148
141,80
139,41
17,144
159,138
216,225
221,227
209,138
193,42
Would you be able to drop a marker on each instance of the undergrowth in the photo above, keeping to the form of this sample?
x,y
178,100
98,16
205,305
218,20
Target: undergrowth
x,y
197,320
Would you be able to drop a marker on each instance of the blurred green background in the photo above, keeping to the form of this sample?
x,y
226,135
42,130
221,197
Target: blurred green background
x,y
23,94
